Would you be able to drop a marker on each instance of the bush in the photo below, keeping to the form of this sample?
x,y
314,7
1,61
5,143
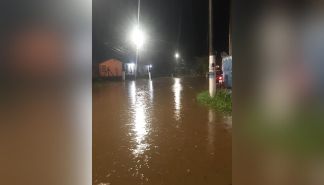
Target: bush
x,y
221,102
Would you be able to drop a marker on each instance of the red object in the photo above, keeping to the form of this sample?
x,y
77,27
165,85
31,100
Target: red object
x,y
219,76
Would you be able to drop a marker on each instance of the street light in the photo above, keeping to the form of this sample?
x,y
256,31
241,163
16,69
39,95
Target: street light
x,y
138,37
177,55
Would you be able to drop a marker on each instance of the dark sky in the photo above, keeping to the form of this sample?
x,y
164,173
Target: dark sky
x,y
170,24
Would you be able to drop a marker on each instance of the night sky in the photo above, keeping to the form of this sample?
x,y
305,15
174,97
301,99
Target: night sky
x,y
170,25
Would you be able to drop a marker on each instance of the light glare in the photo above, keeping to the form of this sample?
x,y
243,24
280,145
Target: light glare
x,y
177,55
138,37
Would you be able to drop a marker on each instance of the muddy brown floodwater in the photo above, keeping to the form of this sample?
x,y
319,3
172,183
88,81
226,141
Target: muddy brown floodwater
x,y
156,133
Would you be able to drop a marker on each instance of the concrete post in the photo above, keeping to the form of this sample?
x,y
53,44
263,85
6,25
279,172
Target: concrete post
x,y
212,76
124,75
212,65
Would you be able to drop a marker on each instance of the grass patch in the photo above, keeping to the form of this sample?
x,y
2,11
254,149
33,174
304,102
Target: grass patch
x,y
221,102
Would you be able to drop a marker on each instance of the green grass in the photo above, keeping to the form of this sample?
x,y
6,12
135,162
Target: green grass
x,y
221,102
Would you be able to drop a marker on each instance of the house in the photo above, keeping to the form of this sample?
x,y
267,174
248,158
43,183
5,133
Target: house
x,y
142,69
111,69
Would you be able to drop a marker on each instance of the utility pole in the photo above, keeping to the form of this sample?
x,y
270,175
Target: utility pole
x,y
230,31
138,24
212,76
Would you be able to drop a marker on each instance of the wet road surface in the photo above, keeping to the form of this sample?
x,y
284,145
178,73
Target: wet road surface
x,y
155,132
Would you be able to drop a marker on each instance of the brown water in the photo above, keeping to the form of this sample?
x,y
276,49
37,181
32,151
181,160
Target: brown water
x,y
155,132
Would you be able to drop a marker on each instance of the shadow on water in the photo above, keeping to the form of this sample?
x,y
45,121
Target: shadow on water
x,y
155,132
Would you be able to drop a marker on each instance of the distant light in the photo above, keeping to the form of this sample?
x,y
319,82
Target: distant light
x,y
177,55
137,37
149,66
131,66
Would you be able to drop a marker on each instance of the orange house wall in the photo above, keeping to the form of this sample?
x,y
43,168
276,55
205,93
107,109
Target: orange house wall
x,y
115,67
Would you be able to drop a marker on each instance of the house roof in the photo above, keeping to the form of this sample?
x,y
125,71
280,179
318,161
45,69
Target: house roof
x,y
110,60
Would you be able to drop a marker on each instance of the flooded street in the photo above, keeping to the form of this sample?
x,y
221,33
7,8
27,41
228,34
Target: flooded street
x,y
156,133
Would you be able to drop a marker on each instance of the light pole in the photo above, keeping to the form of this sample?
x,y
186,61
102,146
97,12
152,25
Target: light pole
x,y
138,24
138,39
149,71
137,36
212,79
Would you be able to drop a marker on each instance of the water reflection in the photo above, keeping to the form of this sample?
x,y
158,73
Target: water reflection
x,y
228,122
140,124
137,139
140,129
177,88
151,89
132,92
211,116
211,130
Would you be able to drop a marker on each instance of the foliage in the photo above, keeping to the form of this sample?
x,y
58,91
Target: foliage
x,y
221,102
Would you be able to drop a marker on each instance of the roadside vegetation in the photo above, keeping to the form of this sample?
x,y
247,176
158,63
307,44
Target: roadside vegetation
x,y
221,102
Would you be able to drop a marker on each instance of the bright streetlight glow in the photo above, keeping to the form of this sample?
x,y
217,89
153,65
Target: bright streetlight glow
x,y
177,55
138,37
